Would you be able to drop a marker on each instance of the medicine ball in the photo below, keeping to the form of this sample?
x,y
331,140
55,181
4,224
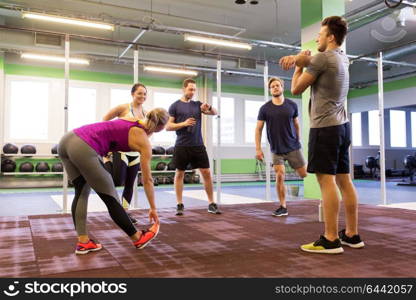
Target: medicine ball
x,y
57,167
188,178
8,165
158,150
155,181
195,178
10,149
171,166
28,149
370,162
161,166
42,166
54,149
171,179
26,167
409,162
170,150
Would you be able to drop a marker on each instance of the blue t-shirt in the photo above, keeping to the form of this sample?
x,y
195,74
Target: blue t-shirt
x,y
181,111
281,131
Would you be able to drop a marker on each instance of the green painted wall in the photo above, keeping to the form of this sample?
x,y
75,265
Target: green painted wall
x,y
388,87
313,11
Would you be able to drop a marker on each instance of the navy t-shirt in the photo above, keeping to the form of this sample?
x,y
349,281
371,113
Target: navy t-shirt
x,y
281,131
181,111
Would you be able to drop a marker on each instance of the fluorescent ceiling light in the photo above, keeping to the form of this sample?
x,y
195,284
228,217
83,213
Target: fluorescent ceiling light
x,y
171,70
54,58
71,21
218,42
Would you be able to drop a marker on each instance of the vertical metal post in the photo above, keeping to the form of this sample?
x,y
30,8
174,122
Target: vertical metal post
x,y
268,153
218,152
65,177
381,120
135,80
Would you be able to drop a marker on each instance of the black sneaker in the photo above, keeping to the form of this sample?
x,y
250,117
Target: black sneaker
x,y
132,219
213,209
323,246
353,242
280,212
179,209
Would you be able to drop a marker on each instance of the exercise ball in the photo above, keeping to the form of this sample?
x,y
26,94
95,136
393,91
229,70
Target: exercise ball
x,y
171,166
42,166
10,149
26,167
195,178
8,165
157,150
54,149
370,162
170,150
160,166
188,178
57,167
409,162
28,149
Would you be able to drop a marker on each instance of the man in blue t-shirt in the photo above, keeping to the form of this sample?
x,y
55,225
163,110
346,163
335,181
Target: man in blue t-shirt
x,y
283,134
185,119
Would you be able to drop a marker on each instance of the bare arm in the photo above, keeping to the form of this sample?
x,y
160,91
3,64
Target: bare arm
x,y
172,126
297,127
301,81
259,130
138,141
115,112
207,109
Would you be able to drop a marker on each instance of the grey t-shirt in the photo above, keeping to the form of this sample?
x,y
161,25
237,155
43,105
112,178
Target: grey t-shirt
x,y
330,89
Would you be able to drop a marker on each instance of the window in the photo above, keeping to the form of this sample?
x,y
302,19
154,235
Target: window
x,y
119,96
164,100
356,129
251,112
413,120
397,128
81,107
373,128
227,120
29,105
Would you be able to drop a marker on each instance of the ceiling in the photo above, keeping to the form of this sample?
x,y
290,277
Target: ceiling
x,y
270,20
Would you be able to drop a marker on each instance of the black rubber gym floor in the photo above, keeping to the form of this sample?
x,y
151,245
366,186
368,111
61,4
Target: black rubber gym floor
x,y
246,241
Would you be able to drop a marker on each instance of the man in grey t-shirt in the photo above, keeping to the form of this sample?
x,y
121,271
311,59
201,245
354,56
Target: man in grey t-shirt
x,y
329,138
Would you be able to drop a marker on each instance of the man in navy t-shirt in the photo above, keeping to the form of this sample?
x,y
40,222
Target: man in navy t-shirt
x,y
283,134
185,119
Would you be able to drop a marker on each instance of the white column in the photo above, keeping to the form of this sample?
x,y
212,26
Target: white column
x,y
218,152
268,153
381,120
65,177
135,80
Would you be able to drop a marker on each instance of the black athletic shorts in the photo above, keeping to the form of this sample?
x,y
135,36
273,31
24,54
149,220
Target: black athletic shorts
x,y
195,155
328,151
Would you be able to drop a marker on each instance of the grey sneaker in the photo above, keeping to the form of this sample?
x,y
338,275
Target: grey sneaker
x,y
213,209
179,209
280,212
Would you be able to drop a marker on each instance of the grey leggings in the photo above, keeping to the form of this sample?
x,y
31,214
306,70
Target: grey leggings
x,y
86,170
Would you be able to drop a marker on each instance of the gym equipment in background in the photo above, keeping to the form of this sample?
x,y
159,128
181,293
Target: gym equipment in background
x,y
170,150
26,167
57,167
157,150
54,149
28,149
42,166
10,148
8,165
409,163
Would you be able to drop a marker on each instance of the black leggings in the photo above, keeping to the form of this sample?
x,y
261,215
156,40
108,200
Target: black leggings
x,y
86,170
